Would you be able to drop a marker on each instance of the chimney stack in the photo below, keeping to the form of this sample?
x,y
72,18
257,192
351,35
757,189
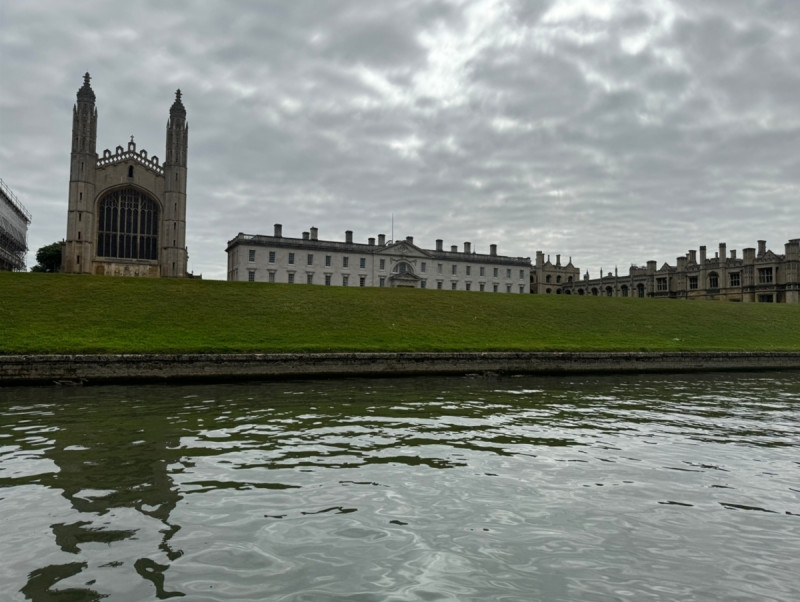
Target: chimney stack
x,y
558,260
493,250
439,244
381,240
305,235
454,248
467,247
313,233
371,242
278,230
348,236
723,251
410,240
702,255
693,256
762,247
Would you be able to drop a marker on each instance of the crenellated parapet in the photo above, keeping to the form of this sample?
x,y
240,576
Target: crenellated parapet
x,y
140,157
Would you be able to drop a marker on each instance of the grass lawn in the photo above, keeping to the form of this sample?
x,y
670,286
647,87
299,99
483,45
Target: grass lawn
x,y
60,313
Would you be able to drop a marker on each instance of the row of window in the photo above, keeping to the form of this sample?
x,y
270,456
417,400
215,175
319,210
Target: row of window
x,y
362,281
401,267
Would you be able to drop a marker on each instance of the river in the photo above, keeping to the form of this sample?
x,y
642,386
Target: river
x,y
660,487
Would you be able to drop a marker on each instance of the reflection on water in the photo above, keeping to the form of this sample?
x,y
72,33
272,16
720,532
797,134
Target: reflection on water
x,y
601,488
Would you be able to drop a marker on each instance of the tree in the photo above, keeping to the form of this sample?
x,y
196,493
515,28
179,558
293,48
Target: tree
x,y
48,258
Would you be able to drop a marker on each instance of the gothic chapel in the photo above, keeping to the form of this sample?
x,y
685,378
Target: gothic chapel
x,y
127,212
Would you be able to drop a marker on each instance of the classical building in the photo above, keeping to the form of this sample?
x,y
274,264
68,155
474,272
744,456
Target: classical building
x,y
127,211
759,276
309,260
14,222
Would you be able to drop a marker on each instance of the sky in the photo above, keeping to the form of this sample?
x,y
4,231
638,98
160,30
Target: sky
x,y
611,132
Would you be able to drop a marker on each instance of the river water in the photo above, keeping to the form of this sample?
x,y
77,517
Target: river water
x,y
677,487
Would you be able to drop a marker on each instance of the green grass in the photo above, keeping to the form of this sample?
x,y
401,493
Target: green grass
x,y
58,313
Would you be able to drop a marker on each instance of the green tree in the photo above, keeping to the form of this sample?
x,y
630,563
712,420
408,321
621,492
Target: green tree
x,y
48,258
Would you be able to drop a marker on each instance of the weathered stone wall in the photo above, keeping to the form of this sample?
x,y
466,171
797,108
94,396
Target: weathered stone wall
x,y
46,369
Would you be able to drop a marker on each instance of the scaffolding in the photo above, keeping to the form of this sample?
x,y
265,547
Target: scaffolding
x,y
14,222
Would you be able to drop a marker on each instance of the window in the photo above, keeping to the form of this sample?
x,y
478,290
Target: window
x,y
327,261
640,290
362,281
127,225
508,288
345,262
693,283
310,259
765,299
272,276
310,278
439,284
494,288
439,268
327,279
508,274
382,281
423,267
765,275
624,290
548,278
469,270
469,286
251,276
661,284
522,275
362,263
383,264
558,278
496,271
454,269
272,256
423,284
453,285
483,286
522,289
291,258
345,279
291,277
734,278
713,280
482,271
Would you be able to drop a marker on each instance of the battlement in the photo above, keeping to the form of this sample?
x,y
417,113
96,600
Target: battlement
x,y
139,157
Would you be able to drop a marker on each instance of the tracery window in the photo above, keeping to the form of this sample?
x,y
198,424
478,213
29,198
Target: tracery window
x,y
402,268
127,225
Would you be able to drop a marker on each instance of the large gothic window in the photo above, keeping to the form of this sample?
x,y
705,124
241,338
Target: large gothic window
x,y
127,225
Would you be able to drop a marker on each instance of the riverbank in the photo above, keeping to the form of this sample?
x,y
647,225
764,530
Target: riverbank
x,y
45,314
98,369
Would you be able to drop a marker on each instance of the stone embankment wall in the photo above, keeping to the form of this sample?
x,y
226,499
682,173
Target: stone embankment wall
x,y
47,369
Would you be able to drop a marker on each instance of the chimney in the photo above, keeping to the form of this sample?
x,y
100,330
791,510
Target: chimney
x,y
313,233
723,251
410,240
749,255
439,244
467,247
702,255
558,260
493,250
348,236
692,256
651,266
305,235
278,230
381,240
371,242
733,253
762,247
454,248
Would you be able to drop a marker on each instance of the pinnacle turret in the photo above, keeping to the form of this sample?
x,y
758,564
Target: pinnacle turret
x,y
86,93
177,109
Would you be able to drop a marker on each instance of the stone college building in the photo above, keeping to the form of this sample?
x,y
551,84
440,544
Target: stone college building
x,y
127,211
309,260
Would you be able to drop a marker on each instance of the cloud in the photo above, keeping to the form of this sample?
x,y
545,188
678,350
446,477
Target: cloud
x,y
612,132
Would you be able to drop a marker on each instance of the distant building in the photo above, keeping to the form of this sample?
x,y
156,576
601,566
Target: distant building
x,y
308,260
127,212
759,276
548,278
14,222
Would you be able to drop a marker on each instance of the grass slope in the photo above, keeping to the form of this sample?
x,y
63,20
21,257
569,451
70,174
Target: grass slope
x,y
58,313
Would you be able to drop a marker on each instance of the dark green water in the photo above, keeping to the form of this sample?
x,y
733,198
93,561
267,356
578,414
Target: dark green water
x,y
507,489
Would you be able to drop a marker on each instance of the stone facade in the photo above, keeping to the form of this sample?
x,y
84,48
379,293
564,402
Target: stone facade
x,y
547,278
308,260
759,276
127,211
14,222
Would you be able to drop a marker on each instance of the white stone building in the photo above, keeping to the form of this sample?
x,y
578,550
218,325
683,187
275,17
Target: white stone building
x,y
309,260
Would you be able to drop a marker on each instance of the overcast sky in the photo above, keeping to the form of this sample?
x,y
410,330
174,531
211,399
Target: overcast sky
x,y
612,132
